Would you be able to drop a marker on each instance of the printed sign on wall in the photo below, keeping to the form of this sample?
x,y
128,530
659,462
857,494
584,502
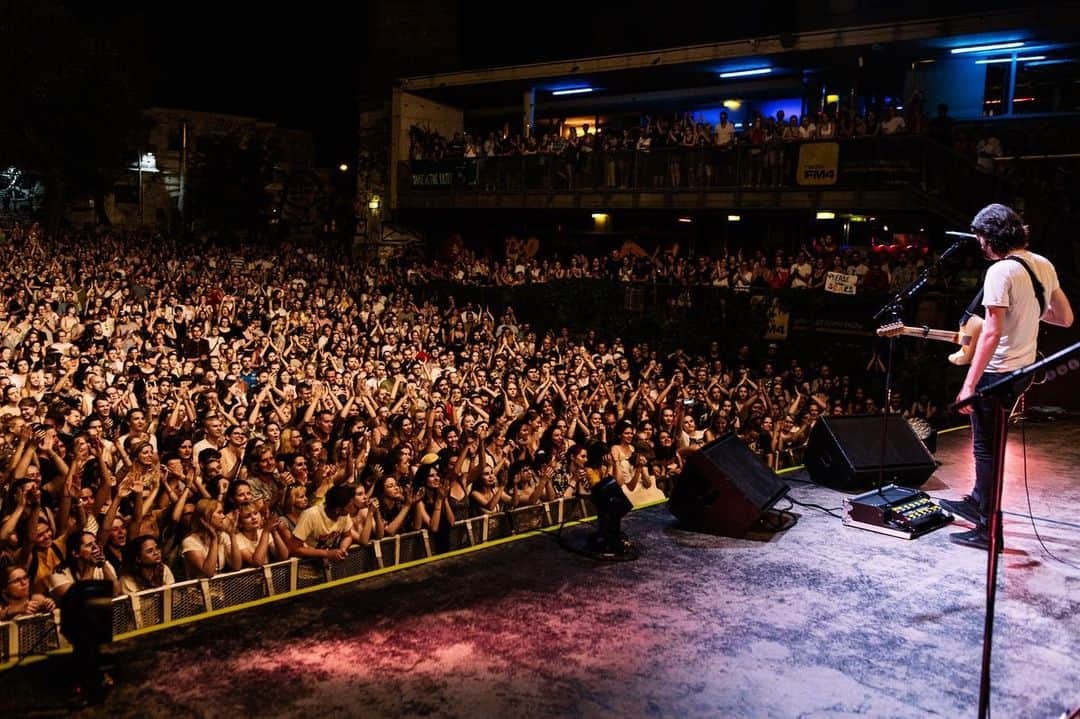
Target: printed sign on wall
x,y
818,163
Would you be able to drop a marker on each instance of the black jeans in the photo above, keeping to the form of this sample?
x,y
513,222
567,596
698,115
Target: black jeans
x,y
985,421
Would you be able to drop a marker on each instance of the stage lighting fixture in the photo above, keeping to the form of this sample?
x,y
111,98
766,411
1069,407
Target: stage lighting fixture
x,y
86,622
611,506
993,60
986,48
746,73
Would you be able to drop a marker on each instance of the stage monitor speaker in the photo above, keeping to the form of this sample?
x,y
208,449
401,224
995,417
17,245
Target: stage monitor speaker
x,y
724,488
845,453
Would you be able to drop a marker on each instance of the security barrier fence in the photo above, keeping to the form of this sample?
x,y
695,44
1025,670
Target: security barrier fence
x,y
40,633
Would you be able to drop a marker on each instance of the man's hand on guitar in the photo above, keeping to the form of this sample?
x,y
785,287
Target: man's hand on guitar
x,y
965,392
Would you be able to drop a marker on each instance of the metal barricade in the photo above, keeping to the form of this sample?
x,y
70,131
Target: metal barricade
x,y
124,619
282,576
186,600
527,519
405,547
37,634
8,635
414,546
358,561
459,535
498,526
191,598
227,590
309,573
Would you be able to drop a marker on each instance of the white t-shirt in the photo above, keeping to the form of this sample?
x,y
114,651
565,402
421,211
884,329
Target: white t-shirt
x,y
893,125
1008,285
315,529
65,577
725,134
193,542
130,585
206,444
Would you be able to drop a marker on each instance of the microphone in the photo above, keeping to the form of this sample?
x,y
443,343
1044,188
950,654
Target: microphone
x,y
963,239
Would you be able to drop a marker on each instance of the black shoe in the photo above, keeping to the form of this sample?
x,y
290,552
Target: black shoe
x,y
965,507
975,538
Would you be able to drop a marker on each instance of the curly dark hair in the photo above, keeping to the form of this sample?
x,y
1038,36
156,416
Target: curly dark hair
x,y
1003,229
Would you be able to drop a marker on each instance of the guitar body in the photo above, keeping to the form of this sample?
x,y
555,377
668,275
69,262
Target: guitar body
x,y
968,338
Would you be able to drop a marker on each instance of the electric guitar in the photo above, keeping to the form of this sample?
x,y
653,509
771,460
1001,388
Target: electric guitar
x,y
967,336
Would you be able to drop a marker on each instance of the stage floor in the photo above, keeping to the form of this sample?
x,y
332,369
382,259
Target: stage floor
x,y
818,621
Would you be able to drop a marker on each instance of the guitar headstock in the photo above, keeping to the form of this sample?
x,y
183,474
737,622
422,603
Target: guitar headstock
x,y
893,329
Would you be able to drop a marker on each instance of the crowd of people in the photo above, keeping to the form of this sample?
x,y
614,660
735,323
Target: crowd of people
x,y
605,155
874,270
177,410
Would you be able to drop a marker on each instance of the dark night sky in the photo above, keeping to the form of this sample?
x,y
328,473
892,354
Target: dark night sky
x,y
303,65
300,70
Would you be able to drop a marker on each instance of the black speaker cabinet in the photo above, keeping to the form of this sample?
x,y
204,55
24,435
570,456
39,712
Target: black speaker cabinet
x,y
724,488
845,453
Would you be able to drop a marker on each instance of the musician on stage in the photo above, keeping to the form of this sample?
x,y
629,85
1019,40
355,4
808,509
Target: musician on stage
x,y
1020,289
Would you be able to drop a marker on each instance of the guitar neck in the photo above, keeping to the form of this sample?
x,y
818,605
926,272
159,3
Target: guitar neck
x,y
925,333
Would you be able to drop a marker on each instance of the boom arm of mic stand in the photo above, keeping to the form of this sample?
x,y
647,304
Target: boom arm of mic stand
x,y
894,305
920,282
1026,373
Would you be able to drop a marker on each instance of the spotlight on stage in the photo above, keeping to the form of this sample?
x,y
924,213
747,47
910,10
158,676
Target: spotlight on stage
x,y
607,543
611,506
86,622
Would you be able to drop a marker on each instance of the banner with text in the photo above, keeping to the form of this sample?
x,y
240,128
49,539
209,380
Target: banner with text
x,y
841,283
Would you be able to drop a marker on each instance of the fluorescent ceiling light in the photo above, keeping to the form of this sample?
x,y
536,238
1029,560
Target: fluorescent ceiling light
x,y
1056,61
993,60
826,215
734,218
572,91
685,219
986,48
747,73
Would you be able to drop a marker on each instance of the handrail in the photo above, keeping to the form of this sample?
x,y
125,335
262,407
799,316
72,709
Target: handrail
x,y
913,160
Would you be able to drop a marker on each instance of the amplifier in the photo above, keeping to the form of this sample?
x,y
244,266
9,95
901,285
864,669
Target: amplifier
x,y
896,511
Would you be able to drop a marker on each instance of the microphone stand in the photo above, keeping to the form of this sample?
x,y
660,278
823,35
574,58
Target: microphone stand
x,y
892,310
1055,366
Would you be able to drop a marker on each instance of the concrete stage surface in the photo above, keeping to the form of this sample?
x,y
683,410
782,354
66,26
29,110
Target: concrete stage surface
x,y
820,620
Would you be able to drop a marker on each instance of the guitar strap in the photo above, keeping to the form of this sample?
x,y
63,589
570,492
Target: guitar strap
x,y
1040,293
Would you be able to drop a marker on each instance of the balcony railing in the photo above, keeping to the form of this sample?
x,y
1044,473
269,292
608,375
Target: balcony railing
x,y
863,162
